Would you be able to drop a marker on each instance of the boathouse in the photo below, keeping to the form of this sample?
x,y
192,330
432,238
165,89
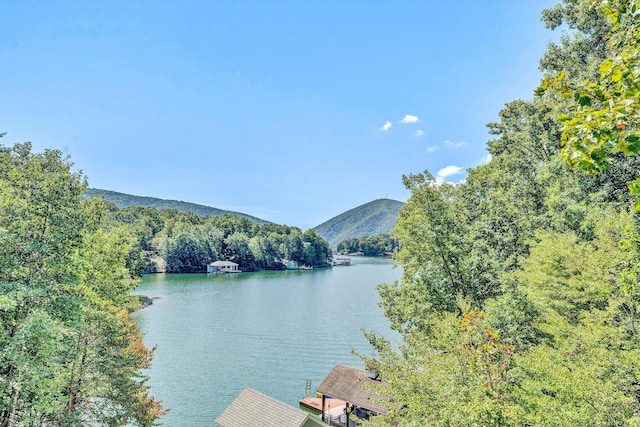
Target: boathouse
x,y
223,267
254,409
291,264
342,261
355,387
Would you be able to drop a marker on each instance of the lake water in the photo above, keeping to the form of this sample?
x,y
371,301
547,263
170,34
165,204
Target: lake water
x,y
272,331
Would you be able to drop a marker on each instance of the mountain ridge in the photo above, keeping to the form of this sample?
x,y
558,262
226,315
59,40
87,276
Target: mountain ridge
x,y
376,217
123,200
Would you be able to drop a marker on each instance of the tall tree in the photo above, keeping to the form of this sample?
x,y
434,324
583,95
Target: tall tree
x,y
549,336
603,112
583,368
69,355
435,249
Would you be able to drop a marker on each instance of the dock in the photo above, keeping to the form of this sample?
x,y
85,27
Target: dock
x,y
341,261
334,407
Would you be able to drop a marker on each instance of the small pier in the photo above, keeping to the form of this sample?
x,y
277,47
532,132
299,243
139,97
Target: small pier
x,y
334,408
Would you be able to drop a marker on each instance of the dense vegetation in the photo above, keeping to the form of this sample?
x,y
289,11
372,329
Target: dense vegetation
x,y
69,353
183,242
122,200
377,217
378,245
519,302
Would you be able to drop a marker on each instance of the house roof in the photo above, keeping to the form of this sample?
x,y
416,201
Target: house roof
x,y
222,263
254,409
352,385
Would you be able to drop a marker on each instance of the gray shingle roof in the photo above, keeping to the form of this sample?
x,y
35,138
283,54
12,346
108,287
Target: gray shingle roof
x,y
254,409
352,385
223,263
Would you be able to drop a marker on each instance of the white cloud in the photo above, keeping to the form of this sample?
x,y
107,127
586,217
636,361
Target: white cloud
x,y
485,159
408,118
446,172
451,144
385,127
419,132
449,171
432,149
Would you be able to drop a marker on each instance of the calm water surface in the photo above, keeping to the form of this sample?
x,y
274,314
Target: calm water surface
x,y
271,331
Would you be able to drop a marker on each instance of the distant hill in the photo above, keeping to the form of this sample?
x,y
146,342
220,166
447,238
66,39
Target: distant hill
x,y
123,200
372,218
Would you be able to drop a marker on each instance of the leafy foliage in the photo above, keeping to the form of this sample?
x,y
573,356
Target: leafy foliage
x,y
69,354
602,116
587,326
435,242
519,302
183,242
380,244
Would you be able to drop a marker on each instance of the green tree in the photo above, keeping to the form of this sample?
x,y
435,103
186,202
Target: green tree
x,y
584,367
237,250
189,248
437,256
519,300
183,242
380,244
602,116
316,250
63,286
456,374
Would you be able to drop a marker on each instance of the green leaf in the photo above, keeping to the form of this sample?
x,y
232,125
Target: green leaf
x,y
542,88
634,144
616,75
584,99
606,66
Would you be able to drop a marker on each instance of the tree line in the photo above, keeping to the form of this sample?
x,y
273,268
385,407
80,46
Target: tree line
x,y
376,245
184,242
519,302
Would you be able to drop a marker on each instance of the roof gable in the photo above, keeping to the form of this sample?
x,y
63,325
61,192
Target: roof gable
x,y
254,409
223,263
352,385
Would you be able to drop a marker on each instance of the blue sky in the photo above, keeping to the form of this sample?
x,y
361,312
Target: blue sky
x,y
292,111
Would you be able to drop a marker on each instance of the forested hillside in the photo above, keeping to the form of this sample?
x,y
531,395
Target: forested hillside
x,y
125,200
183,242
376,245
374,218
377,217
519,303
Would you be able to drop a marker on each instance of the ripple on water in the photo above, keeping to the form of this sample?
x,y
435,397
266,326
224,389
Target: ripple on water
x,y
268,330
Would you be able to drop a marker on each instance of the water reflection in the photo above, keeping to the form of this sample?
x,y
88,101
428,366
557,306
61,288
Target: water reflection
x,y
271,331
